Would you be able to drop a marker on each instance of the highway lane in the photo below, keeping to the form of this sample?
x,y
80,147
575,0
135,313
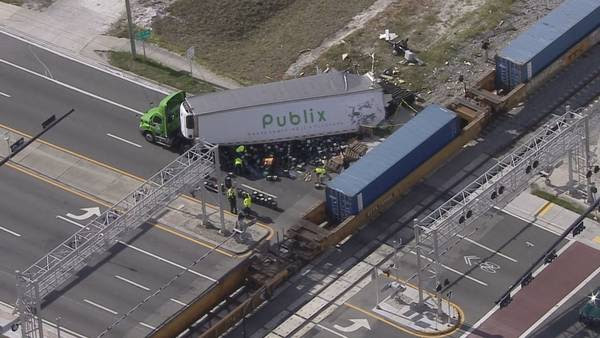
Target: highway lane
x,y
86,131
36,218
77,74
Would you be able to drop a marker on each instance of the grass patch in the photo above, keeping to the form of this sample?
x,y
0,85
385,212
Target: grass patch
x,y
562,202
13,2
158,72
248,40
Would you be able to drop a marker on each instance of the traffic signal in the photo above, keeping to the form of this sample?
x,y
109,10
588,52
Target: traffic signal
x,y
526,280
550,257
578,229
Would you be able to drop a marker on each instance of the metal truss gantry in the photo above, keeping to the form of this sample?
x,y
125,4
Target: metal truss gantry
x,y
51,271
437,233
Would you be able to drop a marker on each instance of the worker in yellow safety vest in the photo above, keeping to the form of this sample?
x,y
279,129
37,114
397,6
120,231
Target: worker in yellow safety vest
x,y
232,200
321,172
240,150
247,202
238,165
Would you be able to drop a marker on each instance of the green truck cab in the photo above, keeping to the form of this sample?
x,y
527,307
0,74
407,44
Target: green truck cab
x,y
161,124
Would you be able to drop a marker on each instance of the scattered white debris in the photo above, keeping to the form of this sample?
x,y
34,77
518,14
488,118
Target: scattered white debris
x,y
387,36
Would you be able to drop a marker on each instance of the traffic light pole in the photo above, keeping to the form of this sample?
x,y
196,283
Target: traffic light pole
x,y
549,255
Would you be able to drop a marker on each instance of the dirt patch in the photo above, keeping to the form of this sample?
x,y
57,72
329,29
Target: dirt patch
x,y
37,5
253,41
447,36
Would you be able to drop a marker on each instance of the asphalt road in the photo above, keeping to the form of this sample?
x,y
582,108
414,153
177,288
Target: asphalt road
x,y
103,128
37,216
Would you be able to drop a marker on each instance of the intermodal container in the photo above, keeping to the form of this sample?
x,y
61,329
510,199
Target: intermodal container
x,y
391,161
545,41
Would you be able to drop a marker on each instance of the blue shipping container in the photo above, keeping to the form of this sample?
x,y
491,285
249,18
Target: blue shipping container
x,y
535,49
391,161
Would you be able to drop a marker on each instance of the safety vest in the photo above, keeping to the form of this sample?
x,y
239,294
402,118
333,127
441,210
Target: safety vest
x,y
238,162
240,150
320,171
247,202
230,193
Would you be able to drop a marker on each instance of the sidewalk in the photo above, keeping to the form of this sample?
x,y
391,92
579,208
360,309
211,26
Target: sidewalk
x,y
76,28
50,329
105,186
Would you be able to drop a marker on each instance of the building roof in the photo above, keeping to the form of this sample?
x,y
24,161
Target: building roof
x,y
545,31
321,85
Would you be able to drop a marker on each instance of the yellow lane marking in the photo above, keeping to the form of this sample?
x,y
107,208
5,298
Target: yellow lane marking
x,y
268,228
597,239
87,196
403,329
420,334
544,209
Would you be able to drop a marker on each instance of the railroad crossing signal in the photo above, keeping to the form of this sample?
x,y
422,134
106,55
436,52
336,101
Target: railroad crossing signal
x,y
578,229
550,257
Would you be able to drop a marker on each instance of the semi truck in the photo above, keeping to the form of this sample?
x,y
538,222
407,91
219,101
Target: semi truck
x,y
324,104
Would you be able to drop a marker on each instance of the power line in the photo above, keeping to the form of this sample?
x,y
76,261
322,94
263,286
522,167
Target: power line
x,y
164,286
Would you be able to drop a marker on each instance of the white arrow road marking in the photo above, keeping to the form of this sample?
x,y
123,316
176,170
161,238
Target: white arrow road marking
x,y
124,140
356,324
88,212
488,249
455,271
100,306
10,232
332,331
4,94
468,259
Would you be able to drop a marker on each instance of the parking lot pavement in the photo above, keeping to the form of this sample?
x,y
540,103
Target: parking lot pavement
x,y
553,284
479,269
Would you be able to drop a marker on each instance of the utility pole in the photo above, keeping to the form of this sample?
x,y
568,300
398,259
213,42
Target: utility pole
x,y
131,32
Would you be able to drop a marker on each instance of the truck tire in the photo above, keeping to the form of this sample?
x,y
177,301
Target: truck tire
x,y
149,137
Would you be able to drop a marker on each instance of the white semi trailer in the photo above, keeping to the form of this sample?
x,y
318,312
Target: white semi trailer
x,y
323,104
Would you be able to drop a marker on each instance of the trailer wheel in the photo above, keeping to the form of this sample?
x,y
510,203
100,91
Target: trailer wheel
x,y
149,137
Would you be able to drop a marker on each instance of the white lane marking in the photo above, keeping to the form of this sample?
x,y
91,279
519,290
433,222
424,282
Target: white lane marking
x,y
10,232
332,331
124,140
47,322
560,303
100,306
147,253
166,261
177,301
119,75
529,221
517,289
70,221
132,282
455,271
4,94
148,326
486,248
71,87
